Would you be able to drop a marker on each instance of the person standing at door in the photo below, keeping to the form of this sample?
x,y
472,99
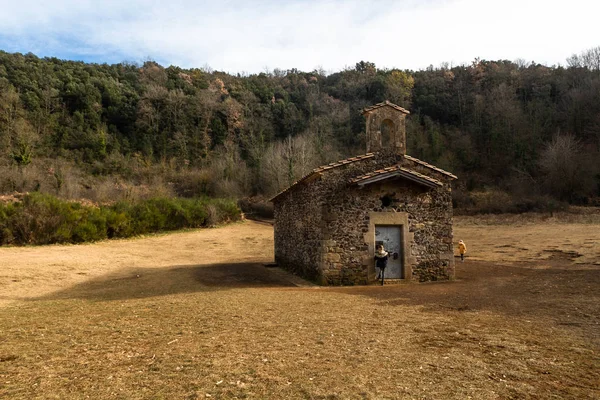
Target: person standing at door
x,y
381,258
462,249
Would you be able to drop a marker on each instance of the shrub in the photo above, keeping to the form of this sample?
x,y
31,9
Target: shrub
x,y
228,210
197,213
118,222
44,219
39,219
212,215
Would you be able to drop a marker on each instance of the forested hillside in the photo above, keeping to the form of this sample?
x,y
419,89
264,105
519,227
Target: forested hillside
x,y
518,130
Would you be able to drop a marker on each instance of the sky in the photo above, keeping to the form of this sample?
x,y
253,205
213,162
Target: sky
x,y
255,36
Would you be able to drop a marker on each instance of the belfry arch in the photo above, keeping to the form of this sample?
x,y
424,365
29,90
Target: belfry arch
x,y
386,129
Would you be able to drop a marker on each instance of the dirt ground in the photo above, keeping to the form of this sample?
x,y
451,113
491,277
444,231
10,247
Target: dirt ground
x,y
195,314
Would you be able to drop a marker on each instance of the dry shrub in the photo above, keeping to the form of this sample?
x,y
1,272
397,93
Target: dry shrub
x,y
227,188
212,215
20,179
230,175
256,207
461,199
491,201
9,179
108,190
191,183
159,187
494,201
105,191
572,215
67,180
43,175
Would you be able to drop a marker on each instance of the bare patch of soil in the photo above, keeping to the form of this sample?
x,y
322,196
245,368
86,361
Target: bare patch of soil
x,y
197,315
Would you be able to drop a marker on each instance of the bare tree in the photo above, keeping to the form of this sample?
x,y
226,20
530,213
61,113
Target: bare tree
x,y
230,174
587,59
289,160
10,108
563,164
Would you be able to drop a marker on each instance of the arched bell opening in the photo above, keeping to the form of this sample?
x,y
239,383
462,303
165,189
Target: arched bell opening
x,y
387,133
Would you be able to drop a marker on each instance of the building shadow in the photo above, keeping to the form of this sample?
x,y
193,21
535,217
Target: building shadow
x,y
151,282
519,290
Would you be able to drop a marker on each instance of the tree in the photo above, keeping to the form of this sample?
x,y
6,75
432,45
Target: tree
x,y
24,141
10,109
366,67
587,59
563,166
399,87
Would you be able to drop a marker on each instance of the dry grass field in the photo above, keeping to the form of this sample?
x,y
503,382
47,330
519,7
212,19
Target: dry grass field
x,y
195,315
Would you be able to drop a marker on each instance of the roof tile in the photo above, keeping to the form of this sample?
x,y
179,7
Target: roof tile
x,y
433,167
373,173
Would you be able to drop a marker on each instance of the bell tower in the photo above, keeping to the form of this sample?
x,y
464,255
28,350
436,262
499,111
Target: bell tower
x,y
386,129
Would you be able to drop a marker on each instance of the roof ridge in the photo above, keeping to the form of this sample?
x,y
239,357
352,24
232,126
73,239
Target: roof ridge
x,y
350,160
395,169
430,166
326,167
385,103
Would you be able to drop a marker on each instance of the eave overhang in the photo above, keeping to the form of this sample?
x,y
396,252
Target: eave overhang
x,y
396,172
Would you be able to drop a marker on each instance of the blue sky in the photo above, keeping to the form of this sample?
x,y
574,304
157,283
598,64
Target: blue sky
x,y
251,36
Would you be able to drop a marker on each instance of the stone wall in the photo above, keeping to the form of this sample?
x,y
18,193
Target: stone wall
x,y
375,120
297,233
322,228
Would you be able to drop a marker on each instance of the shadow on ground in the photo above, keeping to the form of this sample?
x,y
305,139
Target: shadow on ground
x,y
568,295
151,282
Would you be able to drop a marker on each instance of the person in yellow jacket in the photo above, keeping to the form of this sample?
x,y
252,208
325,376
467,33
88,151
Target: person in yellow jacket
x,y
462,249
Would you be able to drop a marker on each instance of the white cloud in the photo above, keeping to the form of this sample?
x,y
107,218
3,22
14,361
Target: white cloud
x,y
248,36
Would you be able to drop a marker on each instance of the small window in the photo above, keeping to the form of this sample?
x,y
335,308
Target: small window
x,y
386,201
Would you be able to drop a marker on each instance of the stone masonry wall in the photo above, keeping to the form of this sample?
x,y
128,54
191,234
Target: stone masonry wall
x,y
297,233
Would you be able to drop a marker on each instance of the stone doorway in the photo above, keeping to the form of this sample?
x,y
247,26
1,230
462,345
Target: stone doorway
x,y
390,236
398,220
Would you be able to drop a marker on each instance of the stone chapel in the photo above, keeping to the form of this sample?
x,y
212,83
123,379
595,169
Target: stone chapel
x,y
328,223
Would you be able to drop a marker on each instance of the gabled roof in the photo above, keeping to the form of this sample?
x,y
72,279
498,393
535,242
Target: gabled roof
x,y
315,173
395,171
340,163
383,104
433,167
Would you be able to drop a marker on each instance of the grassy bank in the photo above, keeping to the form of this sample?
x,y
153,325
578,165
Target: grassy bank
x,y
44,219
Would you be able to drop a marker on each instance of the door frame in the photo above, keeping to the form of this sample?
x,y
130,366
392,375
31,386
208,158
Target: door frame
x,y
400,243
407,238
